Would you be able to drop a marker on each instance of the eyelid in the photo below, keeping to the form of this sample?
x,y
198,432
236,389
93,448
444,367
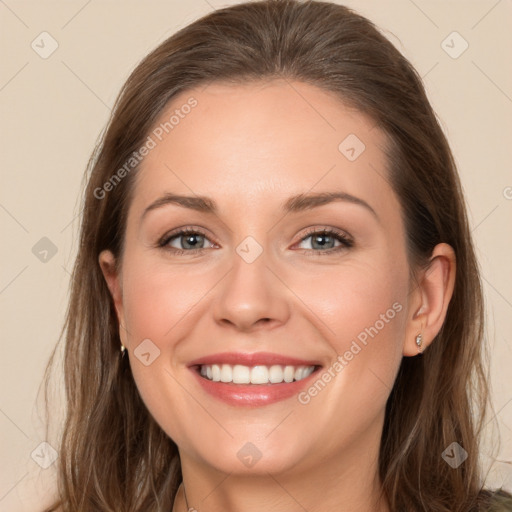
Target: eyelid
x,y
328,230
195,230
343,237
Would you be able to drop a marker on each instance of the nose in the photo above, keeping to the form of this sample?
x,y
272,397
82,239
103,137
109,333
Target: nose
x,y
252,297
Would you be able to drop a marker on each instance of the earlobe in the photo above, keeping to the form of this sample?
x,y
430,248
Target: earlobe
x,y
434,290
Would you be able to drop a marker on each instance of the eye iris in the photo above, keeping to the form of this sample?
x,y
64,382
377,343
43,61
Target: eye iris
x,y
189,244
322,237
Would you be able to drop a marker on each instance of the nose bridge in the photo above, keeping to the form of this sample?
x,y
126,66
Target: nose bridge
x,y
251,292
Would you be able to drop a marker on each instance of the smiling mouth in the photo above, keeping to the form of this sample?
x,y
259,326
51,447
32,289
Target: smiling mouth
x,y
257,375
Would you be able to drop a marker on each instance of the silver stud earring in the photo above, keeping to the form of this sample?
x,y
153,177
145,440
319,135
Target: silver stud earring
x,y
419,341
123,348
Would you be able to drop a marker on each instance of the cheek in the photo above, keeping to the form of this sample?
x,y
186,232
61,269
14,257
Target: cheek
x,y
157,297
158,305
355,297
161,304
361,311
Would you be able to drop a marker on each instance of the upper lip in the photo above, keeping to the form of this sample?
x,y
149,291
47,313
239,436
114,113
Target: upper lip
x,y
254,359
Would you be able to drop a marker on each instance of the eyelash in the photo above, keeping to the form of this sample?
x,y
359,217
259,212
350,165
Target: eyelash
x,y
344,239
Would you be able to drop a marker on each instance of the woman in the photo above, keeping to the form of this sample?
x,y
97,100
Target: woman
x,y
276,302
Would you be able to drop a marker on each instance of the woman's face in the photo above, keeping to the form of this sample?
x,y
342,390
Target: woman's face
x,y
258,275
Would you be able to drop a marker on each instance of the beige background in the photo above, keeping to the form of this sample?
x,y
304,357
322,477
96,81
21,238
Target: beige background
x,y
53,109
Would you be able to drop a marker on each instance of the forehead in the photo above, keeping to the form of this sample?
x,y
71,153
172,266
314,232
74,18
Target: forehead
x,y
259,142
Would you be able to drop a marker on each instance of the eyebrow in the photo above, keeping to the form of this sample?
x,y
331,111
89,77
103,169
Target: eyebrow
x,y
297,203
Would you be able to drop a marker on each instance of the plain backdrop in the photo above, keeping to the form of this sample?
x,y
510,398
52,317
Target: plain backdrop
x,y
54,105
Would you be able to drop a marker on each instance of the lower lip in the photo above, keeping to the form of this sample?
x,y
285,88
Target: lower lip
x,y
252,395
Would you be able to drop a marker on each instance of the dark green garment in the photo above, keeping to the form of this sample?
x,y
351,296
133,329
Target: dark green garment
x,y
500,501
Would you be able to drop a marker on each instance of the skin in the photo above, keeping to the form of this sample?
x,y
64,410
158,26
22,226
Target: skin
x,y
249,148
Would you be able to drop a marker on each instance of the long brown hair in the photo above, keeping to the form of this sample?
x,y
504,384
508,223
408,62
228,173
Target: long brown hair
x,y
113,455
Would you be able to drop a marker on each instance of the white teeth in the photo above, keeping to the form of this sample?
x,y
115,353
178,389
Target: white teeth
x,y
260,374
308,372
215,373
241,374
275,374
289,373
226,373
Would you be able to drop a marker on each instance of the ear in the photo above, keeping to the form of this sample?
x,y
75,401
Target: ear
x,y
430,297
112,275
